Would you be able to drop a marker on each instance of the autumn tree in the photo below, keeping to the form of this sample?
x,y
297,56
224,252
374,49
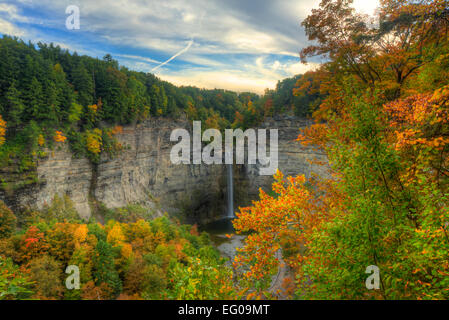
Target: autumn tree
x,y
7,221
385,200
32,245
14,284
384,52
46,273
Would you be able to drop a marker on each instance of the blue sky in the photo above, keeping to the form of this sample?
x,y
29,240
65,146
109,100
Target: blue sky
x,y
242,45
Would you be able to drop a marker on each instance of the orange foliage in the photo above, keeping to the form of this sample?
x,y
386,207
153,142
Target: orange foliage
x,y
41,140
117,130
2,130
32,245
92,292
59,137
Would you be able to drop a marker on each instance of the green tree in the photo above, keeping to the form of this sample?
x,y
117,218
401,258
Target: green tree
x,y
14,285
83,84
104,267
14,106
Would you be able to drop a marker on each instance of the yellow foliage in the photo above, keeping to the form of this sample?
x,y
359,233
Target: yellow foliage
x,y
80,234
115,236
41,140
94,141
127,250
93,108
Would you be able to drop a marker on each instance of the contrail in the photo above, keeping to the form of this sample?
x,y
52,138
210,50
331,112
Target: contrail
x,y
176,55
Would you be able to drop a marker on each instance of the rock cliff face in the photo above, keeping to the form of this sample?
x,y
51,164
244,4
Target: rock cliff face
x,y
294,159
143,173
60,174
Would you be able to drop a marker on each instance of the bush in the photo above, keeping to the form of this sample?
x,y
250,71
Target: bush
x,y
129,214
13,284
60,210
46,274
7,221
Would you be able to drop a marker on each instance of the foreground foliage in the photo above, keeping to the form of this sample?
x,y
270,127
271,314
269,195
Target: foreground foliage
x,y
384,125
141,259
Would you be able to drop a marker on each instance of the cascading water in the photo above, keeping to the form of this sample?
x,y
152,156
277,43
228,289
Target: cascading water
x,y
230,182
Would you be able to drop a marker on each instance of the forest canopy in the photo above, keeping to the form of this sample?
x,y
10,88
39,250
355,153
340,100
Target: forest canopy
x,y
48,95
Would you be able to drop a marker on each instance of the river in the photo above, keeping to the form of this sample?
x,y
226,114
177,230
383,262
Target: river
x,y
218,231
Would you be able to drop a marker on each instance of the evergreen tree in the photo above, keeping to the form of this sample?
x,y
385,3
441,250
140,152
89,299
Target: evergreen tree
x,y
104,271
14,107
34,100
83,84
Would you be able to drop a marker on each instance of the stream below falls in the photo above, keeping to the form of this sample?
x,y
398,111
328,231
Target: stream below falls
x,y
218,231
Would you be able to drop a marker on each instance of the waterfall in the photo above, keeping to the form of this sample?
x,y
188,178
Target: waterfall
x,y
230,181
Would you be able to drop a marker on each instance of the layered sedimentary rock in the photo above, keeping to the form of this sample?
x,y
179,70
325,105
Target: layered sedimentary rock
x,y
143,173
294,159
58,174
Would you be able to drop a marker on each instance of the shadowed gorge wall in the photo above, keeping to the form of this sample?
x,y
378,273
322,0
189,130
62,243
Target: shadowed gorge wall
x,y
294,159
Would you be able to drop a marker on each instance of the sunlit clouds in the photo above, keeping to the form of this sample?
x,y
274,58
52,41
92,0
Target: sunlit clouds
x,y
234,44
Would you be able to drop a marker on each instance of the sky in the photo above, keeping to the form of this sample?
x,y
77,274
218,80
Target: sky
x,y
240,45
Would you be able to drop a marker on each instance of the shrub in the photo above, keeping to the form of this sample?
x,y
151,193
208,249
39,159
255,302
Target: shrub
x,y
7,221
46,274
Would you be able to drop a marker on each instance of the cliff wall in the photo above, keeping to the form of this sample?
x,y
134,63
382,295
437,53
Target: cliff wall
x,y
143,173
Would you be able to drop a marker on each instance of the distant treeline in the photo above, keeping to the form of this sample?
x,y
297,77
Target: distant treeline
x,y
49,95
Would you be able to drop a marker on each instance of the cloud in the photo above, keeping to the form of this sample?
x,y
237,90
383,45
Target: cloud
x,y
133,57
300,68
248,43
10,29
12,12
8,15
189,44
230,80
366,6
255,77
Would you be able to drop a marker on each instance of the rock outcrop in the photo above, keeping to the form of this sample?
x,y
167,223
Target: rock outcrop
x,y
143,173
294,159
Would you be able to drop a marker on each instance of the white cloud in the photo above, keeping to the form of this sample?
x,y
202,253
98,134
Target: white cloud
x,y
134,57
256,77
303,8
188,17
10,29
231,80
300,68
239,45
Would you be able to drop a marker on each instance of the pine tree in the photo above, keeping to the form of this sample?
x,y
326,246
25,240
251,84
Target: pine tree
x,y
104,271
14,107
34,99
83,83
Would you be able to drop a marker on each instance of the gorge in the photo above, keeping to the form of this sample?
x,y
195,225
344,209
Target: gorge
x,y
143,173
